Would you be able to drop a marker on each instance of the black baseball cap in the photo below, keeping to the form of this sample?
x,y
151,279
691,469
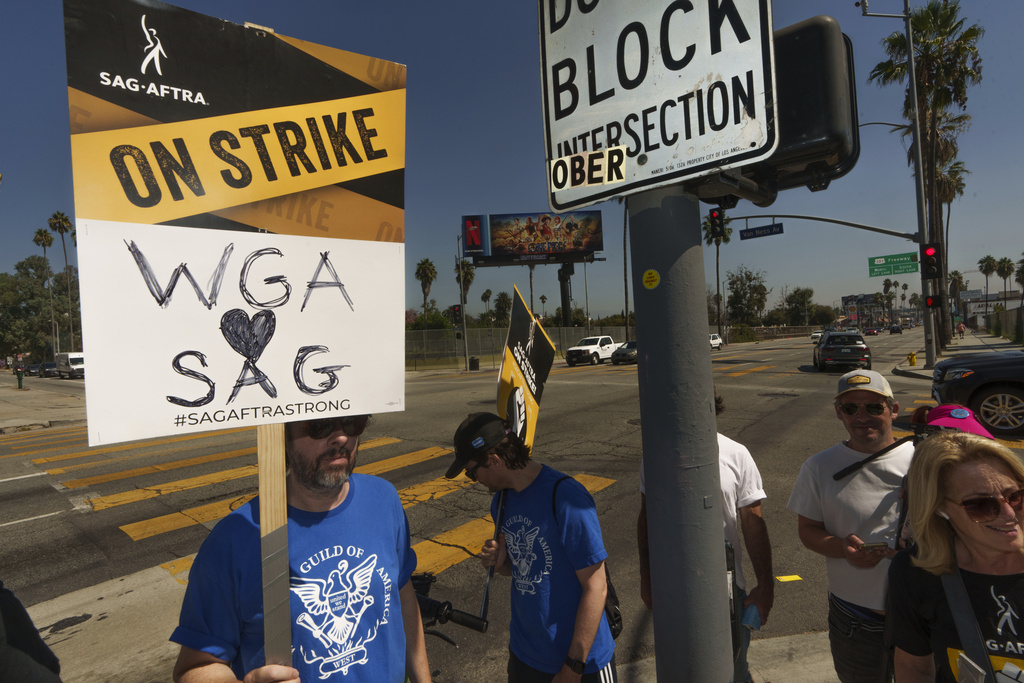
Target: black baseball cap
x,y
477,434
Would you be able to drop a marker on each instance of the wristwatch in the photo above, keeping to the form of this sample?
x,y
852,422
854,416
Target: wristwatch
x,y
576,665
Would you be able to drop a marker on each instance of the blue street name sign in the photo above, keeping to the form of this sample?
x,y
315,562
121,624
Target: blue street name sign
x,y
763,231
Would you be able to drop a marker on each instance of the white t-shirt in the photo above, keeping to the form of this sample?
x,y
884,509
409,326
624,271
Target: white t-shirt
x,y
865,503
741,486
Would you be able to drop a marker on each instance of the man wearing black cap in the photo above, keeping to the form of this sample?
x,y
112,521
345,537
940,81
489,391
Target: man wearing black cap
x,y
550,544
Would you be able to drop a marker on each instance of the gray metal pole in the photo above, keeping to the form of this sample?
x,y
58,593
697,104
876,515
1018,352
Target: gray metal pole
x,y
677,409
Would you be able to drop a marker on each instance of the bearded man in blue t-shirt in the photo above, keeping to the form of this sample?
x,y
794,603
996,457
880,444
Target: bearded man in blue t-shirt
x,y
550,544
355,616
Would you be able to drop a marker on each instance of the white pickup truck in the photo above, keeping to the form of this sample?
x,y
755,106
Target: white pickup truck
x,y
591,350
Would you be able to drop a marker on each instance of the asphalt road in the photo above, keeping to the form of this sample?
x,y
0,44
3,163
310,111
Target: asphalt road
x,y
73,517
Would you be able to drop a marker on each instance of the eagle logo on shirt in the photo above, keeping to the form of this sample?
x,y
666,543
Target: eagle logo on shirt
x,y
333,611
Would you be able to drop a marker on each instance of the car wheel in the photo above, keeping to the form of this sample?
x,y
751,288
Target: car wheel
x,y
614,362
1001,410
593,359
868,366
570,363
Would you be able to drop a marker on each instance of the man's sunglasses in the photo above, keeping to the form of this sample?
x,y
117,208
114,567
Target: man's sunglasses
x,y
854,408
353,425
987,508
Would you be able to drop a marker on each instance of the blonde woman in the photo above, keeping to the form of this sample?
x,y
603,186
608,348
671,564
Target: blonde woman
x,y
966,495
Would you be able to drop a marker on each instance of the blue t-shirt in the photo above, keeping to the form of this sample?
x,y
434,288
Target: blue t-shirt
x,y
346,566
545,555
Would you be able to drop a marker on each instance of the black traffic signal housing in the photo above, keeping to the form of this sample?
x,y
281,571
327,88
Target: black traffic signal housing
x,y
931,261
931,301
457,314
716,221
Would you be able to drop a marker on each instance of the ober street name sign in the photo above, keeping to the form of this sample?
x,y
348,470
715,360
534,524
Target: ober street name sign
x,y
643,94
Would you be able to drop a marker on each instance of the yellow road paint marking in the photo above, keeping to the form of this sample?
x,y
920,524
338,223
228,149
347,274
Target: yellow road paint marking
x,y
410,496
179,567
129,446
186,518
791,577
747,372
461,543
413,458
161,467
136,495
432,490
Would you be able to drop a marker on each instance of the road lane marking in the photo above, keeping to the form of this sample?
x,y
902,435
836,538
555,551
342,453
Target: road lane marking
x,y
432,490
30,519
151,469
137,495
212,511
747,372
35,434
463,542
129,446
24,476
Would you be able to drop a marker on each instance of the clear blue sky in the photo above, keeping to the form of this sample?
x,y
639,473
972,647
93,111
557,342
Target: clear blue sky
x,y
475,142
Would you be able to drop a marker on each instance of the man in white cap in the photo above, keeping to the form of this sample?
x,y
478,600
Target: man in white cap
x,y
847,502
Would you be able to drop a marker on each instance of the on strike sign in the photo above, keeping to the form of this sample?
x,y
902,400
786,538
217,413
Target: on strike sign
x,y
639,95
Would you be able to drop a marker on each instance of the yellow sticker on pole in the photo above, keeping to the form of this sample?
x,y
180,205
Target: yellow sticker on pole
x,y
651,279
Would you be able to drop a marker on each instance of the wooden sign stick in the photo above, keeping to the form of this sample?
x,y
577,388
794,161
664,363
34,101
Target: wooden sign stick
x,y
277,615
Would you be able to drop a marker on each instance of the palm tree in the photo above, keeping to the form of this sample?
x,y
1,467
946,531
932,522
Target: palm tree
x,y
1004,269
44,238
946,64
61,224
544,312
915,304
464,274
1019,279
950,186
502,307
486,298
712,236
956,285
426,274
987,266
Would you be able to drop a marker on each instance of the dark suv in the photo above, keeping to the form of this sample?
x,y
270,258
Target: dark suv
x,y
842,348
990,384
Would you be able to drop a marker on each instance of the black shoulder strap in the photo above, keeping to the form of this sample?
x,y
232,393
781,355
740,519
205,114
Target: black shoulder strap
x,y
850,469
554,491
966,622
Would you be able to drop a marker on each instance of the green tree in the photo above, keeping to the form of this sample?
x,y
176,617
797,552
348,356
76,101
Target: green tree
x,y
717,238
23,303
748,296
798,305
61,224
946,63
426,273
577,317
543,305
1004,269
464,274
956,285
502,307
44,238
486,298
1019,279
987,266
950,186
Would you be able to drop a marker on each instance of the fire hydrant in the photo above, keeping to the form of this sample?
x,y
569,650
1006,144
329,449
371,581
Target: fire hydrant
x,y
912,357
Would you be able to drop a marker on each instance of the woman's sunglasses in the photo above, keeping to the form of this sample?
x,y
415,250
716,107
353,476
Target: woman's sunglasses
x,y
352,426
854,408
987,508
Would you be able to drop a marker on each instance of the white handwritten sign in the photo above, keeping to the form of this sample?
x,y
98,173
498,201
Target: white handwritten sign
x,y
191,330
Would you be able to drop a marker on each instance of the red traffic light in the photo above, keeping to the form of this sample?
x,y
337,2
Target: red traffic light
x,y
929,250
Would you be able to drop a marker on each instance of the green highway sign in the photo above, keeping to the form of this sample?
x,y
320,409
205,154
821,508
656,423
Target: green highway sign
x,y
894,264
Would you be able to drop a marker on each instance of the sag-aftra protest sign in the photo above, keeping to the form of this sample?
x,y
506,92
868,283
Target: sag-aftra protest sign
x,y
239,211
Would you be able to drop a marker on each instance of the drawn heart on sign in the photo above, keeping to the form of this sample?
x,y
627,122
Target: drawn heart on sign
x,y
248,337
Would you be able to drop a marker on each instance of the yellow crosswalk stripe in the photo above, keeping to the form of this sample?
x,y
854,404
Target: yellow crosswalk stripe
x,y
136,495
748,371
161,467
461,543
218,509
129,446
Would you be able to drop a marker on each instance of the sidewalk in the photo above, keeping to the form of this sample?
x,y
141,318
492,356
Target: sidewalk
x,y
118,630
973,342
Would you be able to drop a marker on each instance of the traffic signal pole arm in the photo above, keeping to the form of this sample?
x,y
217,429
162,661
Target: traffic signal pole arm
x,y
912,236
